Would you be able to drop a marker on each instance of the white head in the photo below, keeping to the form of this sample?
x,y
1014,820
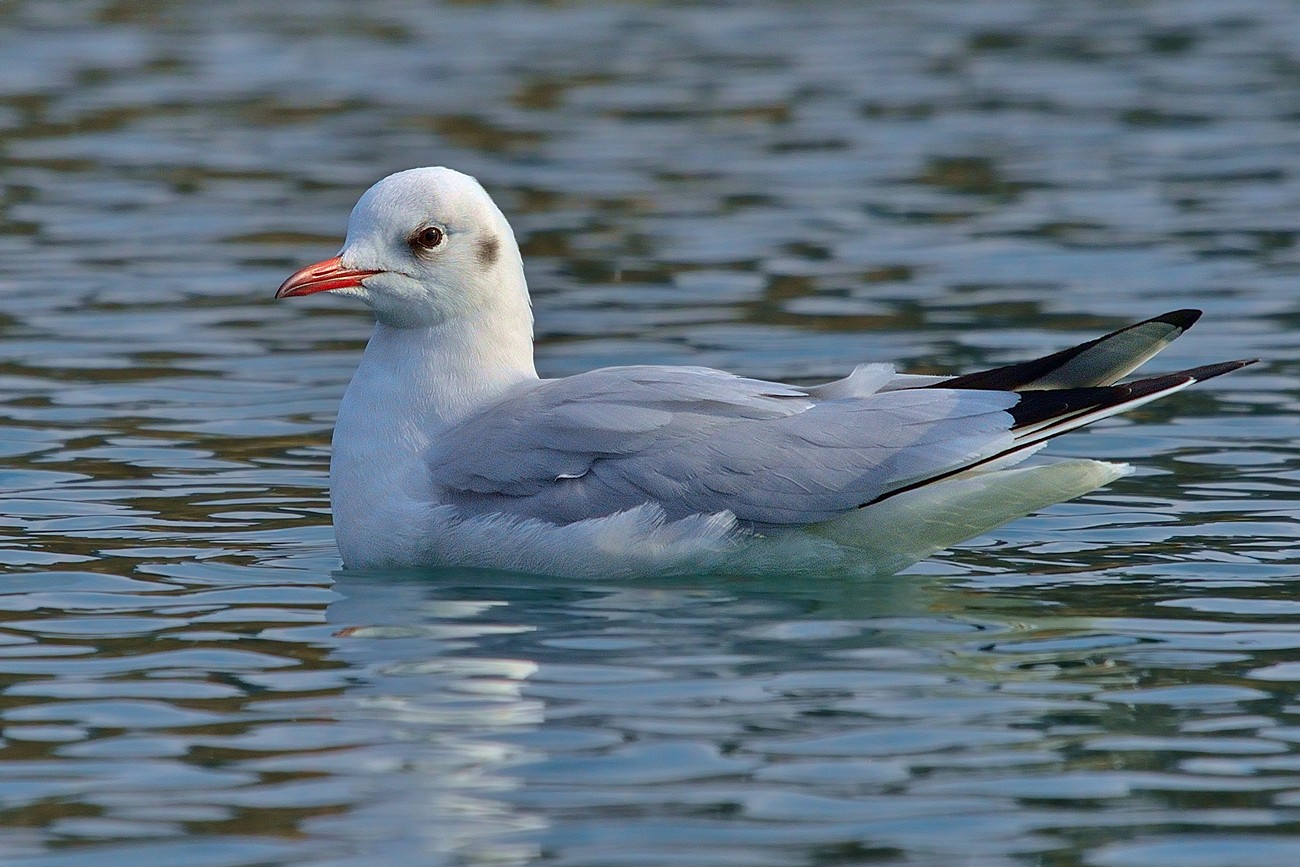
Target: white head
x,y
424,247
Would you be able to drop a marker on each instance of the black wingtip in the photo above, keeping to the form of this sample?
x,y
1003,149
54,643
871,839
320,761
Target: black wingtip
x,y
1013,377
1038,406
1073,404
1209,371
1183,319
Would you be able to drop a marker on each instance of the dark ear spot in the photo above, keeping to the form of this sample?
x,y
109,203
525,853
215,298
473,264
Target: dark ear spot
x,y
488,250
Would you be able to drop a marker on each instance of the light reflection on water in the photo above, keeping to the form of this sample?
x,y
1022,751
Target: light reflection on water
x,y
779,189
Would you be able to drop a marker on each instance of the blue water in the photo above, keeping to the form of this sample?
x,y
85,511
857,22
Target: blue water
x,y
780,189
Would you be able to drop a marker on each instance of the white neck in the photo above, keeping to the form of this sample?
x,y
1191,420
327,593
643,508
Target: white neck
x,y
414,382
433,376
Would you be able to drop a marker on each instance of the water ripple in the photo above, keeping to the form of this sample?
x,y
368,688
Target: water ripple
x,y
779,189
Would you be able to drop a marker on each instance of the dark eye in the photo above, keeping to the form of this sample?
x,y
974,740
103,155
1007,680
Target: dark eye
x,y
427,238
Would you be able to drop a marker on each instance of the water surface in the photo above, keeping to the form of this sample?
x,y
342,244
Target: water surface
x,y
780,189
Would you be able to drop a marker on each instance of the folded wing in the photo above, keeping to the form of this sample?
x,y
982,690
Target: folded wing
x,y
696,440
701,441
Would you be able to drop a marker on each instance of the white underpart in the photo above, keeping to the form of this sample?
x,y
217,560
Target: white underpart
x,y
880,540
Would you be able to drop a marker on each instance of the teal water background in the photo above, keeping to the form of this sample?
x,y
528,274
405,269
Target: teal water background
x,y
779,189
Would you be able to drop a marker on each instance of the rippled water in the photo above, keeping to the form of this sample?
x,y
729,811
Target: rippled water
x,y
781,189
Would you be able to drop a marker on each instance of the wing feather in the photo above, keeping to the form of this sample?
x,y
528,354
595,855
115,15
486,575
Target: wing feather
x,y
697,441
701,441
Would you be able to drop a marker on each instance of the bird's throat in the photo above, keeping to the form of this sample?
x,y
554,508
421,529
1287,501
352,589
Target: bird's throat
x,y
432,377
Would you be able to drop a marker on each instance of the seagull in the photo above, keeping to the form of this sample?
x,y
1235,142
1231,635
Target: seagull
x,y
449,450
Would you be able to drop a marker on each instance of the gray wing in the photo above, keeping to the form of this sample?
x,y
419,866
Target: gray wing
x,y
696,440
